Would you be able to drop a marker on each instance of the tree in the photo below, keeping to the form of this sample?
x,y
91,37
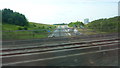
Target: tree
x,y
105,25
77,24
15,18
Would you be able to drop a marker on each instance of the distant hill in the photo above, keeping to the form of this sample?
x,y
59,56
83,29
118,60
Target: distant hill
x,y
106,25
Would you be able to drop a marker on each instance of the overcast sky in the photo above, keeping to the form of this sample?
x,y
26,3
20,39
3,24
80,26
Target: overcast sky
x,y
62,11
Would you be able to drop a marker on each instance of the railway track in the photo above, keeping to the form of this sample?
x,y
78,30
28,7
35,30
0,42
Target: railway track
x,y
84,45
55,39
14,56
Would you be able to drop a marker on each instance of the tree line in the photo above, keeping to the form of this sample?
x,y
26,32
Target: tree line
x,y
15,18
76,24
105,25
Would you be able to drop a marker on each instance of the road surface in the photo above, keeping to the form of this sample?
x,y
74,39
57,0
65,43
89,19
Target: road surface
x,y
63,30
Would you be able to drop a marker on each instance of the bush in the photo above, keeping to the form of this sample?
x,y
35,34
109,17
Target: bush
x,y
25,28
20,28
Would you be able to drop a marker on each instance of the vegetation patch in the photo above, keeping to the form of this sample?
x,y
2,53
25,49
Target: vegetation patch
x,y
15,26
33,31
105,25
110,25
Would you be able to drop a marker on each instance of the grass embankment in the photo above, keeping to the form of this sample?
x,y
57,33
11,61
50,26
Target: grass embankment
x,y
103,25
33,31
90,32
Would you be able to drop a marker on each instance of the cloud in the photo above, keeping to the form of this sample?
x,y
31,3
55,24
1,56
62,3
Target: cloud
x,y
60,11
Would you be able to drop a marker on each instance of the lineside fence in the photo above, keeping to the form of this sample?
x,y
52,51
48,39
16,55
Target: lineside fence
x,y
59,40
44,34
24,34
36,34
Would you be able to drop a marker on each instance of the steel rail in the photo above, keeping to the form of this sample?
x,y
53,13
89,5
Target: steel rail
x,y
45,50
59,45
58,57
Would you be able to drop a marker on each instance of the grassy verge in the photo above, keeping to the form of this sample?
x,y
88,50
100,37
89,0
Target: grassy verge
x,y
91,31
33,31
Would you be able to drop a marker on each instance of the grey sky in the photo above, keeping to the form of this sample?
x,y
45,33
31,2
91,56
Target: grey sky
x,y
62,11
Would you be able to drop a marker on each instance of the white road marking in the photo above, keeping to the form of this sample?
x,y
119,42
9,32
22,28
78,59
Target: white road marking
x,y
67,32
63,31
54,32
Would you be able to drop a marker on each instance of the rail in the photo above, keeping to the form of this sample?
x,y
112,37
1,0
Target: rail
x,y
91,44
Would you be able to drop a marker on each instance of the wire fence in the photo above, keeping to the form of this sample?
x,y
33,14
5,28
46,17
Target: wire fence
x,y
36,34
58,40
43,33
24,34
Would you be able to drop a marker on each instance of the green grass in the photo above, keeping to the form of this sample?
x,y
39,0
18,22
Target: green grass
x,y
91,32
19,35
8,27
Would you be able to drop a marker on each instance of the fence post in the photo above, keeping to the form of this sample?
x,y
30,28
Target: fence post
x,y
100,48
33,35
